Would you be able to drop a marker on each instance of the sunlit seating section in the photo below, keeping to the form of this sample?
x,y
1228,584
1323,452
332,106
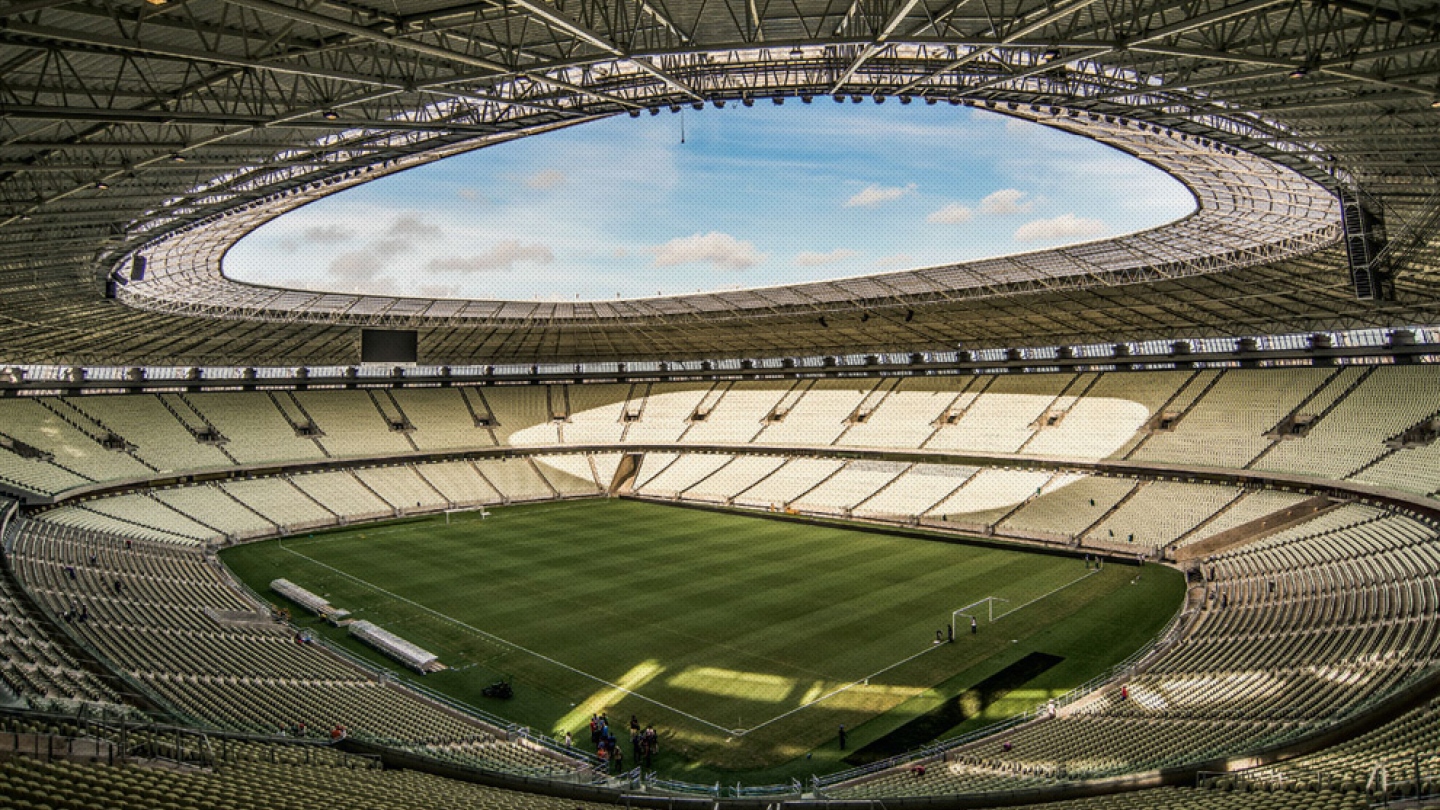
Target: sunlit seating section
x,y
270,779
1159,513
818,416
940,777
1067,511
1003,417
279,501
158,436
516,479
680,474
606,466
793,479
441,420
854,483
664,412
596,413
1117,393
403,488
29,421
1250,507
1413,469
344,495
990,494
1104,420
906,417
459,483
652,465
569,474
1385,404
256,430
739,474
738,415
353,426
211,505
1226,427
34,664
142,510
916,491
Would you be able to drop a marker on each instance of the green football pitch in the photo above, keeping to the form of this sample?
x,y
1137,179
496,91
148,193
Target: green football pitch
x,y
746,640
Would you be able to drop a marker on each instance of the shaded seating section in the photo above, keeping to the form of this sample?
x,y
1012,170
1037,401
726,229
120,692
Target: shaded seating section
x,y
1352,434
441,419
1296,632
36,666
176,625
259,776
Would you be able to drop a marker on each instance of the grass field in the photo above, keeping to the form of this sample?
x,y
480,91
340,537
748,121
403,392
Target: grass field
x,y
745,640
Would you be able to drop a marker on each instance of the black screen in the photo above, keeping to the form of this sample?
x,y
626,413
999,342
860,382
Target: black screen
x,y
388,345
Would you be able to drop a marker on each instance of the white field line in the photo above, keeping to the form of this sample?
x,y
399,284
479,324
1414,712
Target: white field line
x,y
866,679
1087,575
511,644
597,679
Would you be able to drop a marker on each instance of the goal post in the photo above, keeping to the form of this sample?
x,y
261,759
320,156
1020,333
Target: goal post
x,y
480,510
974,611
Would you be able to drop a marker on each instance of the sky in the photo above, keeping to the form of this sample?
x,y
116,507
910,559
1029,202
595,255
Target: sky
x,y
753,197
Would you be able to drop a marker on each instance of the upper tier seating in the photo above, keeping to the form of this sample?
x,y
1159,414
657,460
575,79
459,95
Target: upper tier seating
x,y
1210,418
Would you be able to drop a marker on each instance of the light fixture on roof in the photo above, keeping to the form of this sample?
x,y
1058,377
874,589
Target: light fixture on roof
x,y
1435,102
177,158
931,100
747,101
654,110
806,99
856,99
102,185
719,103
840,99
778,100
1049,55
879,98
634,113
905,99
1299,72
796,53
697,105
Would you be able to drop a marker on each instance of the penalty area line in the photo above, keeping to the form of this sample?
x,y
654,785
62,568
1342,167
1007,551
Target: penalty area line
x,y
1047,595
497,639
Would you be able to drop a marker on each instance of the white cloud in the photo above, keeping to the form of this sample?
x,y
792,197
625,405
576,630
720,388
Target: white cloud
x,y
469,194
357,265
410,225
809,258
1065,226
504,256
547,179
718,249
1006,201
327,234
951,214
873,195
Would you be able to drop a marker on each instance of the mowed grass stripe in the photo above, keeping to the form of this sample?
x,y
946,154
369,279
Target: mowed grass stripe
x,y
736,618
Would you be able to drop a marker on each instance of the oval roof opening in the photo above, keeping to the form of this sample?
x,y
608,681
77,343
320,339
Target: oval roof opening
x,y
718,199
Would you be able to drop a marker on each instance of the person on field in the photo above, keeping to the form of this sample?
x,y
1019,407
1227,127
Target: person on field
x,y
842,736
974,626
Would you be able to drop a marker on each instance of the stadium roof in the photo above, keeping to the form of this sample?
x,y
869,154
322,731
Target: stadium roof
x,y
169,130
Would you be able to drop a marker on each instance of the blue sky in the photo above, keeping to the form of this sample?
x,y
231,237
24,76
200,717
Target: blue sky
x,y
753,197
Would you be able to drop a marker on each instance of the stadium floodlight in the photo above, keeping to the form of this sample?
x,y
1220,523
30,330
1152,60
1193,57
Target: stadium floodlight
x,y
330,115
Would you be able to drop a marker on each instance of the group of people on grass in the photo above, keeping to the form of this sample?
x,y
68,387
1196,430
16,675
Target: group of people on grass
x,y
644,743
